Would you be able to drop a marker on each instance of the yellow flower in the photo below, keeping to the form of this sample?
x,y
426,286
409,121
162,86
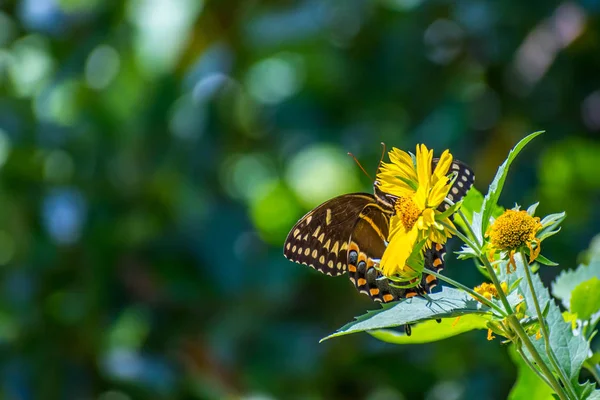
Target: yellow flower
x,y
420,191
512,231
488,290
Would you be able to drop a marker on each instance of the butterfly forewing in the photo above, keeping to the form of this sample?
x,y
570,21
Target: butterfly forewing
x,y
320,238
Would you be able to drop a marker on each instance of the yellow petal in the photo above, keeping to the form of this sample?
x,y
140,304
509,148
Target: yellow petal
x,y
397,252
395,225
420,197
442,167
404,162
438,192
424,158
428,216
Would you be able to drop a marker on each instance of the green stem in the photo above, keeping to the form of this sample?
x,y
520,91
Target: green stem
x,y
518,329
531,366
469,227
496,282
462,237
544,328
466,289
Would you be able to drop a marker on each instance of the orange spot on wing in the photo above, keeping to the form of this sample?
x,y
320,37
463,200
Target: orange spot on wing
x,y
362,281
388,297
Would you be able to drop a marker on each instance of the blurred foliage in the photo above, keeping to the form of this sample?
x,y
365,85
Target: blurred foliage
x,y
154,153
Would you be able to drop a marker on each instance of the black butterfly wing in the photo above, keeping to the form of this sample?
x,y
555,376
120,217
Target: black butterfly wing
x,y
365,249
320,238
463,182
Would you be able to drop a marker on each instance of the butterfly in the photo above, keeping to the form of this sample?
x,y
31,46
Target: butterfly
x,y
348,234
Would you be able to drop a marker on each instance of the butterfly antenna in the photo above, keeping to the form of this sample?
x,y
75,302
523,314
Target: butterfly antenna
x,y
360,166
382,155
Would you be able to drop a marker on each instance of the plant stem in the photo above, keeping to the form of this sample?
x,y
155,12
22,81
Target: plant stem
x,y
462,237
466,289
469,227
496,282
531,366
518,329
511,318
544,328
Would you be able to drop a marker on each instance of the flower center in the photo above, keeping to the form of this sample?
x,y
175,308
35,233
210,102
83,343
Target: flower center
x,y
514,229
408,212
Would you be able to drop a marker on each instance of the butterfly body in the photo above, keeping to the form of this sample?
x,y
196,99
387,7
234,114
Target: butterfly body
x,y
348,234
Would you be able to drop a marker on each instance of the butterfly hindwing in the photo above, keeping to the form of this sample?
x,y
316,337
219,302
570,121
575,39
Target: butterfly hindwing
x,y
320,239
365,249
463,182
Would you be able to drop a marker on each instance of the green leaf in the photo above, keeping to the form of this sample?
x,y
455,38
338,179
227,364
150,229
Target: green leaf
x,y
587,391
567,281
447,303
491,199
595,395
543,260
594,359
431,331
532,208
471,203
585,299
528,385
571,351
550,225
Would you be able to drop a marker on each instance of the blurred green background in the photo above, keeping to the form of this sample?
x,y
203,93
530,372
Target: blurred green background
x,y
155,153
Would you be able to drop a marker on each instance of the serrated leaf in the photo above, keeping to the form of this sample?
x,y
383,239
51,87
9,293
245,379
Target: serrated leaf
x,y
528,385
431,331
587,391
585,299
491,199
571,351
595,395
567,281
448,303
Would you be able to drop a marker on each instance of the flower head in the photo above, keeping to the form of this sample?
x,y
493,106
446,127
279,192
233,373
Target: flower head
x,y
417,222
488,290
513,231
